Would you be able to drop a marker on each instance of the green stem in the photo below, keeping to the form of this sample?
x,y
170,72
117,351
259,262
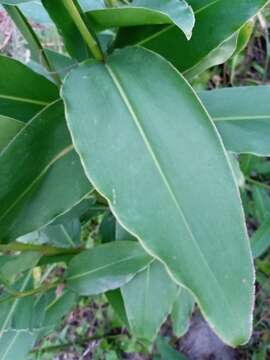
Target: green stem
x,y
43,249
70,344
83,29
30,36
38,290
258,183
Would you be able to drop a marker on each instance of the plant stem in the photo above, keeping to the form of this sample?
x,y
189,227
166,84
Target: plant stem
x,y
87,36
43,249
258,183
70,344
38,290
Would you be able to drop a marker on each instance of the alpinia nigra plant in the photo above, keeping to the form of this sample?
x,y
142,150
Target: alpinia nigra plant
x,y
114,129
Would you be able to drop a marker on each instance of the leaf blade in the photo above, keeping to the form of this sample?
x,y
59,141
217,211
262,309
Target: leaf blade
x,y
105,267
136,119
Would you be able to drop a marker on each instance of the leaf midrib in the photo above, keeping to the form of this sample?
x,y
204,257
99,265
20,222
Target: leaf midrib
x,y
90,272
10,345
241,118
136,120
25,100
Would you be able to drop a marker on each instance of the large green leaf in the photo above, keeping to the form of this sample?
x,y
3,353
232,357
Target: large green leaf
x,y
41,176
8,129
106,267
208,35
242,116
148,300
23,93
160,163
146,12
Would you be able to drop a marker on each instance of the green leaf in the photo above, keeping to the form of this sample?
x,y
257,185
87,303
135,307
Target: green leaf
x,y
242,117
62,235
46,181
72,38
260,240
61,63
244,36
217,56
122,234
10,311
57,306
21,314
181,312
115,299
105,267
208,35
184,219
35,12
20,322
167,352
19,97
262,203
8,129
16,344
148,300
146,12
107,228
18,264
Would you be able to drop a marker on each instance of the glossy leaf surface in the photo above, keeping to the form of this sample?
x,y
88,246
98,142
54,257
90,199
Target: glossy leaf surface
x,y
208,34
146,12
106,267
29,185
19,97
161,160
